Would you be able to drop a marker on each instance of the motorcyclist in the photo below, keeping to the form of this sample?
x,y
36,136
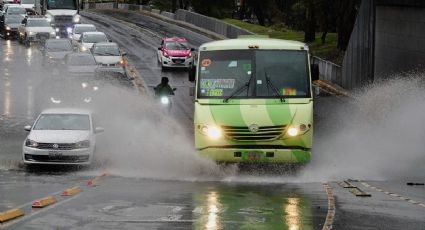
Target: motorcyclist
x,y
163,88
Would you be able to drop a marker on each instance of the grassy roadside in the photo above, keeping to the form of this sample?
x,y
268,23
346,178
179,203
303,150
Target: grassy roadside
x,y
327,51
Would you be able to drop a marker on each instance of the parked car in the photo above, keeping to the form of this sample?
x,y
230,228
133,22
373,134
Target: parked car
x,y
88,39
61,136
78,29
175,53
55,50
80,64
35,29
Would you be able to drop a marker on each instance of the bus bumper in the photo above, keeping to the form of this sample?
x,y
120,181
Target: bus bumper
x,y
230,155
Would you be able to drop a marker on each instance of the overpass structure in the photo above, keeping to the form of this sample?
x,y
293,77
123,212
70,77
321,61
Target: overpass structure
x,y
388,38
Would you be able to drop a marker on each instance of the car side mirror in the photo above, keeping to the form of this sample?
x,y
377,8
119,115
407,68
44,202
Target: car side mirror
x,y
27,128
110,40
192,74
99,130
174,89
124,53
314,72
192,49
159,48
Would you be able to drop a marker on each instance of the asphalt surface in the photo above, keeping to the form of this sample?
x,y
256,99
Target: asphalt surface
x,y
187,200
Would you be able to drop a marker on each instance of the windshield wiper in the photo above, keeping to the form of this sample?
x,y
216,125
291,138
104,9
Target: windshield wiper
x,y
275,90
239,90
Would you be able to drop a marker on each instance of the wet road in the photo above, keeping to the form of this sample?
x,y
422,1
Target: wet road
x,y
188,201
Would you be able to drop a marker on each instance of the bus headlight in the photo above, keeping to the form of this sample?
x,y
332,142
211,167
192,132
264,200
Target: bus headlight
x,y
292,131
7,28
212,132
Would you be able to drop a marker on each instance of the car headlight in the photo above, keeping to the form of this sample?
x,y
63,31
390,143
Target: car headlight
x,y
82,144
76,19
52,33
83,48
293,131
69,30
31,143
31,33
121,62
165,100
7,28
49,19
57,30
213,132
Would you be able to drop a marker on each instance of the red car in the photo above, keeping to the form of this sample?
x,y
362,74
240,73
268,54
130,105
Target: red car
x,y
175,52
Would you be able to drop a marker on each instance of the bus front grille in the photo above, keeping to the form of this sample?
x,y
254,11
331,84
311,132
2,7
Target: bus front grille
x,y
262,133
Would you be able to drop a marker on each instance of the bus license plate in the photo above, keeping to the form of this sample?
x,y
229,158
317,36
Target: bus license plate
x,y
253,156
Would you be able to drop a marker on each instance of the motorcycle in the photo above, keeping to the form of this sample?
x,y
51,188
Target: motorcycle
x,y
165,101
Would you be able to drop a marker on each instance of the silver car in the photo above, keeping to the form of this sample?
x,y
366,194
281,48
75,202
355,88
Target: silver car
x,y
61,136
80,64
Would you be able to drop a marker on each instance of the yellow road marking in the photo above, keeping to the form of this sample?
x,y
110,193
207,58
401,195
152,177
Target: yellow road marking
x,y
330,216
10,214
41,203
71,191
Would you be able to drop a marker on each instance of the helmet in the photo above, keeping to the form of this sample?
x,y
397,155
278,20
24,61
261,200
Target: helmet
x,y
164,80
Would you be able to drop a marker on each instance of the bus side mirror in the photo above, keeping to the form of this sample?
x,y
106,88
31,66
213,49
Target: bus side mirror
x,y
192,74
314,72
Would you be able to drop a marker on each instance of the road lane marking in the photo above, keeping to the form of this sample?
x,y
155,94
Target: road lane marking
x,y
41,203
38,206
407,199
10,215
330,216
71,191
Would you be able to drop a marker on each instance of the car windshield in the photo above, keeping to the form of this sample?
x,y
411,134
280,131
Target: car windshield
x,y
82,29
58,45
63,122
38,23
94,38
27,1
81,60
112,50
62,4
176,45
254,73
13,19
16,10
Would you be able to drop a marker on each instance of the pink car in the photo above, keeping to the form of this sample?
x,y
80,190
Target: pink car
x,y
175,53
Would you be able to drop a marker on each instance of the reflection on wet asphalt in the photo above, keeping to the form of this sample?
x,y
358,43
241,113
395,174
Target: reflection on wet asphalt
x,y
145,204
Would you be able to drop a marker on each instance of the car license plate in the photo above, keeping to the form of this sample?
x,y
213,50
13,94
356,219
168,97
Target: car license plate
x,y
55,154
253,156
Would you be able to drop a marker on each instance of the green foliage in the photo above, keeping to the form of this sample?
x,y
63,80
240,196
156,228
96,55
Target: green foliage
x,y
328,50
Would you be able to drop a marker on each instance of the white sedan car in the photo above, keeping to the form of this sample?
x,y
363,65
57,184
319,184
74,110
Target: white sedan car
x,y
61,136
89,38
35,30
78,29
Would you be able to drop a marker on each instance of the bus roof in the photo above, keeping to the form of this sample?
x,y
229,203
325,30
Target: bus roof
x,y
252,42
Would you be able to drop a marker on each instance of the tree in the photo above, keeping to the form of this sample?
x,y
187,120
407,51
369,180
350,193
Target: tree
x,y
347,13
310,22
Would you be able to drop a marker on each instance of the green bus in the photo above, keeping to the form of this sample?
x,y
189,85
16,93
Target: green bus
x,y
254,100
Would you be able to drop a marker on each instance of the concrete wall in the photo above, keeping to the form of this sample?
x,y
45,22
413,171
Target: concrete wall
x,y
357,67
399,40
388,38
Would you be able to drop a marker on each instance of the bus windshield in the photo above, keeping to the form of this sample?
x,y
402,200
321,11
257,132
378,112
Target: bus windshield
x,y
62,4
254,74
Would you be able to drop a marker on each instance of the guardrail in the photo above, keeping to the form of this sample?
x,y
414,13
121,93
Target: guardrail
x,y
329,71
